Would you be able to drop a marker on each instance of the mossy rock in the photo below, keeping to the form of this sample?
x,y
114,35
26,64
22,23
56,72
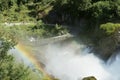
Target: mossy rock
x,y
89,78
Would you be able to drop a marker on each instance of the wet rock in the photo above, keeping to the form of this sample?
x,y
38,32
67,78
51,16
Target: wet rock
x,y
89,78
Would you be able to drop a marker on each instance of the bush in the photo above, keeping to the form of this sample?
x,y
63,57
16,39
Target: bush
x,y
110,27
9,69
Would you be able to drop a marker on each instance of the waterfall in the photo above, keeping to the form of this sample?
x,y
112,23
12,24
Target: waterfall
x,y
70,60
74,61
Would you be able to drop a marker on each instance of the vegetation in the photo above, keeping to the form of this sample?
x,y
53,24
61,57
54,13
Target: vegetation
x,y
96,19
23,10
9,69
9,36
37,30
30,10
44,30
110,27
95,9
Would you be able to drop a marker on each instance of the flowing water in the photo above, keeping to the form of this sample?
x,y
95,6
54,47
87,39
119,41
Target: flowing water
x,y
74,61
71,60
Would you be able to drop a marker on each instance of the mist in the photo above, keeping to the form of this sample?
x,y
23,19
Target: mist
x,y
70,60
74,61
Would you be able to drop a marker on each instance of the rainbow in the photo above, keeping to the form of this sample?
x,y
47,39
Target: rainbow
x,y
28,55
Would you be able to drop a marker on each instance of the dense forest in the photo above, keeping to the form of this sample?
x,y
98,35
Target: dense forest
x,y
97,20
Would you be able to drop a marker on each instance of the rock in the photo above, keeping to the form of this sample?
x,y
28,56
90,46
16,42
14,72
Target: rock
x,y
89,78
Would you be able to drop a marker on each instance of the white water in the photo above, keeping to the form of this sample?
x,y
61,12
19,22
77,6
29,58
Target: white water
x,y
73,62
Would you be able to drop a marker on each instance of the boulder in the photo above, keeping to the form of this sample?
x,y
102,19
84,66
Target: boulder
x,y
89,78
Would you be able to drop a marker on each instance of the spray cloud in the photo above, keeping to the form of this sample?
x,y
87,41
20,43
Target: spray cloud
x,y
73,62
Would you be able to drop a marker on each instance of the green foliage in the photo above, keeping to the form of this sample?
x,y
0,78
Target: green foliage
x,y
44,30
7,37
11,10
99,8
4,5
29,10
118,9
38,30
81,5
110,27
104,10
9,69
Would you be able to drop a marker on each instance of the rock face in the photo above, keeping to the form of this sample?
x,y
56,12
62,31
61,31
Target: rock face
x,y
107,46
89,78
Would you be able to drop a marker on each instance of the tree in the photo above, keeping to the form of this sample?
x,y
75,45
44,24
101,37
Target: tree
x,y
9,70
81,5
6,4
